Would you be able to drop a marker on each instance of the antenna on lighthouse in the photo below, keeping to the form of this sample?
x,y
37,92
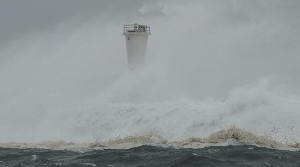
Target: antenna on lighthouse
x,y
136,36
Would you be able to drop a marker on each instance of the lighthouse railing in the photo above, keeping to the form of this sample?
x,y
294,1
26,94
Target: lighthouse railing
x,y
136,28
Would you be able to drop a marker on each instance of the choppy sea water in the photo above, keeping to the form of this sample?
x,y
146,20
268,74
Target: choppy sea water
x,y
245,155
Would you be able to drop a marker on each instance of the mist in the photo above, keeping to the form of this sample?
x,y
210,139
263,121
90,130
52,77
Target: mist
x,y
202,52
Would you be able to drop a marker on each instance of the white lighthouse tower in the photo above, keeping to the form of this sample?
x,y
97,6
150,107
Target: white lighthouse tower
x,y
136,43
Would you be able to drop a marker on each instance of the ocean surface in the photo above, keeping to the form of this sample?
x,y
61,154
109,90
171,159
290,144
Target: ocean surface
x,y
227,156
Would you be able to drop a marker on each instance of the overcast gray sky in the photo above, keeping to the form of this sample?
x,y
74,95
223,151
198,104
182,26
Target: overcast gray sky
x,y
206,42
25,16
22,16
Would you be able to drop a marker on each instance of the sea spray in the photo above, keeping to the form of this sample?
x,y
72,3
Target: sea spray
x,y
72,84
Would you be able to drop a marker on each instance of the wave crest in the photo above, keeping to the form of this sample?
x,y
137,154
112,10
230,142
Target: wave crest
x,y
225,137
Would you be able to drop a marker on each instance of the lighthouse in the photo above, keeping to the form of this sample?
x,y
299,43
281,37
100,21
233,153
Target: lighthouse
x,y
136,37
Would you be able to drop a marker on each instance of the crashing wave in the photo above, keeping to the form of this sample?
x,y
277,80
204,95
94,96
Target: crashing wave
x,y
226,137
